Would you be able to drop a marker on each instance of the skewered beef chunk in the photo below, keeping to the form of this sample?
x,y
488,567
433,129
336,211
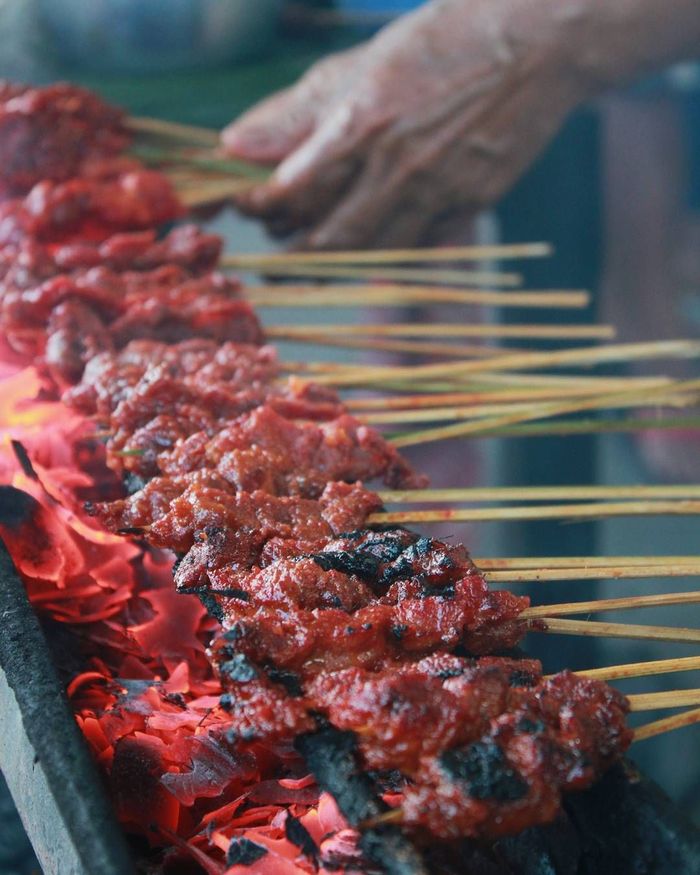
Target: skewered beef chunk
x,y
29,263
263,450
356,612
121,197
198,362
558,736
75,333
223,528
50,132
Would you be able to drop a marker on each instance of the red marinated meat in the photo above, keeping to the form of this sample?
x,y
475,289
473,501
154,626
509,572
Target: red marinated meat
x,y
197,362
90,208
48,133
30,262
263,450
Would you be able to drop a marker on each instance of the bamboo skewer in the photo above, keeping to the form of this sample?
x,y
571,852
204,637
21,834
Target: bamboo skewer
x,y
512,410
174,130
433,276
589,628
592,510
435,330
396,295
561,428
649,398
396,256
545,393
415,347
582,562
538,493
579,356
668,724
625,604
612,572
643,669
666,699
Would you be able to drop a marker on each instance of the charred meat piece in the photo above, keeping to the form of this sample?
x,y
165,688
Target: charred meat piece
x,y
50,132
366,609
556,737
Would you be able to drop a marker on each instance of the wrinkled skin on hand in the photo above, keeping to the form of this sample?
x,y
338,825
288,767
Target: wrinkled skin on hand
x,y
437,115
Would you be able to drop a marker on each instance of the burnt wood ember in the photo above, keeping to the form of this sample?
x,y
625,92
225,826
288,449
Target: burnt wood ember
x,y
51,132
332,757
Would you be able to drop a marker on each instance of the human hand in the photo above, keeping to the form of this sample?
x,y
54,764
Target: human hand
x,y
439,114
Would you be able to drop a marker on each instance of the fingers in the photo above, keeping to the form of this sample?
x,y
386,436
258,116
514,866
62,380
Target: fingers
x,y
274,128
308,183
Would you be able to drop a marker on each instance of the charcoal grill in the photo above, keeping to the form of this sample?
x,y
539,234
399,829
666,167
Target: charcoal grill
x,y
623,826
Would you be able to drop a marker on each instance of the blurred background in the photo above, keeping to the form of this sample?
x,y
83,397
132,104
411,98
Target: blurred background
x,y
617,193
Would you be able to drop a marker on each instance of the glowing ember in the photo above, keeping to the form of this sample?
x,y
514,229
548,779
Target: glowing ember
x,y
141,688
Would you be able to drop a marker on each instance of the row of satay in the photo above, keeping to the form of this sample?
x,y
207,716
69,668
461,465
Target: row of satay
x,y
256,483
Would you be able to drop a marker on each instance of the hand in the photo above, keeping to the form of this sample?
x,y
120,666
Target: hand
x,y
439,114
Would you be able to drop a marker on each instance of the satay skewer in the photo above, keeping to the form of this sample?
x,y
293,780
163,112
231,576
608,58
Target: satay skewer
x,y
620,604
611,572
538,493
632,631
399,295
667,724
649,398
664,699
643,669
435,330
433,276
575,357
581,562
587,511
482,412
477,252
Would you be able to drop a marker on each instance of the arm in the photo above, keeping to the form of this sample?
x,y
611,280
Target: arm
x,y
443,110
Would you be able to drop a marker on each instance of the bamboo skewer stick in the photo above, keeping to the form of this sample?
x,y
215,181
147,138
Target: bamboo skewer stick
x,y
539,493
590,426
581,563
589,628
592,510
544,411
395,256
643,669
415,347
544,393
612,572
668,724
666,699
396,295
433,276
624,604
174,130
209,193
435,330
579,356
512,410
